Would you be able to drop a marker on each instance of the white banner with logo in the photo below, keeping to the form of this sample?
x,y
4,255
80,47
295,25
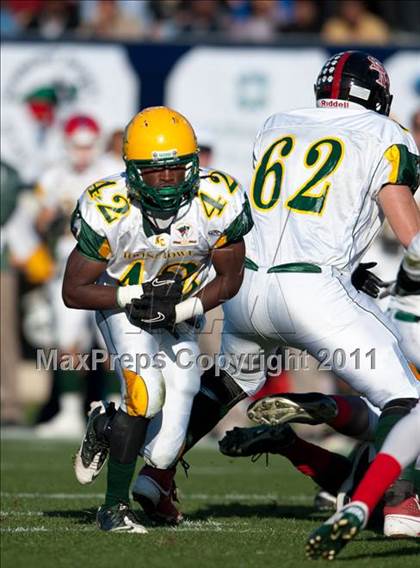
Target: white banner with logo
x,y
43,84
229,92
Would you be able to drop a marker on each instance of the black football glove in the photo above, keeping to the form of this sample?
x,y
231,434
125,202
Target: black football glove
x,y
167,285
151,313
156,308
366,281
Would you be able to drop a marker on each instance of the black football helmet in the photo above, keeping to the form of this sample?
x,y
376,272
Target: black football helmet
x,y
357,77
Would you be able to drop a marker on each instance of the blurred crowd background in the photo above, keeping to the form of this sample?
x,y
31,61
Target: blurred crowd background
x,y
66,97
344,21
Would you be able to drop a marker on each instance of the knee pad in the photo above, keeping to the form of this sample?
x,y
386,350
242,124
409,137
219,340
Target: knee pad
x,y
222,389
399,406
127,436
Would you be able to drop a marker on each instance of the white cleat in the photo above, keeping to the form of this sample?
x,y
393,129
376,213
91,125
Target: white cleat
x,y
93,452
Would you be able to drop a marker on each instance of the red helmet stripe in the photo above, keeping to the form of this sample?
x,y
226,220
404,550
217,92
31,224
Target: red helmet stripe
x,y
335,89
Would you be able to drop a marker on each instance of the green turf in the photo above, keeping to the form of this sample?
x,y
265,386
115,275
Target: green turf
x,y
240,514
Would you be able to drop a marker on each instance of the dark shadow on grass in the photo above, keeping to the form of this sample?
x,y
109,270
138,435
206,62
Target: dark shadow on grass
x,y
82,516
88,516
397,552
263,510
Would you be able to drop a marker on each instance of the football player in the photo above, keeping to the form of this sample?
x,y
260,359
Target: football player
x,y
146,242
400,448
324,180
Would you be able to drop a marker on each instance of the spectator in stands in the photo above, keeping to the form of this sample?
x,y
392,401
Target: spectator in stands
x,y
261,24
55,18
200,17
110,21
415,127
163,19
10,26
306,18
239,11
16,15
355,24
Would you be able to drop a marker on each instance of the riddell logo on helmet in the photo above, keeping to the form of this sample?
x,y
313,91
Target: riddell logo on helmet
x,y
333,103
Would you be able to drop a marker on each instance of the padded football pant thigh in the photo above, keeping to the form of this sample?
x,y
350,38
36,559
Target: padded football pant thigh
x,y
167,432
345,331
244,351
133,353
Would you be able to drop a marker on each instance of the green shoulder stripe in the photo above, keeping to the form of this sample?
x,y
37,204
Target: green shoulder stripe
x,y
239,227
405,166
89,243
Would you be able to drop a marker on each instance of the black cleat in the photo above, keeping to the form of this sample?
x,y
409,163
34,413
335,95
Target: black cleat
x,y
309,408
257,440
118,518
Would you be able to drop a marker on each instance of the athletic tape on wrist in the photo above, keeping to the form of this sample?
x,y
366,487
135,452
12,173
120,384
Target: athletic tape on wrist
x,y
127,293
188,309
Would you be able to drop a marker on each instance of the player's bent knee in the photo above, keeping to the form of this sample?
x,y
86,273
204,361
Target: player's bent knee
x,y
138,401
164,457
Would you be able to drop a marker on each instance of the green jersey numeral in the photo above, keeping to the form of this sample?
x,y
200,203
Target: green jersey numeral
x,y
113,212
273,173
304,200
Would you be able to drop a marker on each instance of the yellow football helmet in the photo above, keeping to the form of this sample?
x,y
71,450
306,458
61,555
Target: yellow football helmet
x,y
158,137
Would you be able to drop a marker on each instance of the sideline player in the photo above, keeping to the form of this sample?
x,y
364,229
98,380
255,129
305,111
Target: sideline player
x,y
146,241
57,192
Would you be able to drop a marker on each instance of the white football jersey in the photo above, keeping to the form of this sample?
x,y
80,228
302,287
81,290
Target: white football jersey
x,y
317,175
110,228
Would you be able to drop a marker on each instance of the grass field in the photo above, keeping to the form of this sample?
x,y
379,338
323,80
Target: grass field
x,y
239,514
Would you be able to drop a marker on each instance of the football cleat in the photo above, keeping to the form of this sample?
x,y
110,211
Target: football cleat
x,y
327,540
324,501
155,491
242,442
309,408
361,458
118,518
403,520
93,451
